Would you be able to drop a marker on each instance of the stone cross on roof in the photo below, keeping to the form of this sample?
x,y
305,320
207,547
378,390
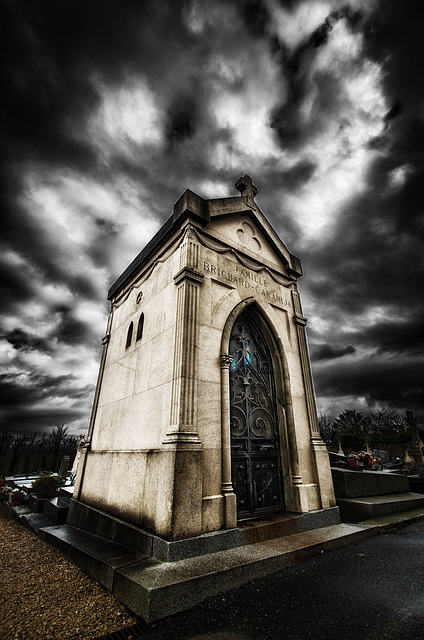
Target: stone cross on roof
x,y
247,188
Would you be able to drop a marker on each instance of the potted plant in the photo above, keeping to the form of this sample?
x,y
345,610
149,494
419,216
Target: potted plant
x,y
16,497
46,486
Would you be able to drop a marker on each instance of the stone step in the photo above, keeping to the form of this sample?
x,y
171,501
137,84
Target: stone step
x,y
396,519
90,519
154,589
98,557
368,507
284,524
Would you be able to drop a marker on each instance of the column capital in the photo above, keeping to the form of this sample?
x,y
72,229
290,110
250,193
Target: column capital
x,y
188,274
225,360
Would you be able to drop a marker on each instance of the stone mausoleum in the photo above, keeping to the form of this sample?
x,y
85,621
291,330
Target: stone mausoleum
x,y
204,412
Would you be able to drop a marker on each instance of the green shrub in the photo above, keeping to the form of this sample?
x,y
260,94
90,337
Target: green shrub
x,y
45,486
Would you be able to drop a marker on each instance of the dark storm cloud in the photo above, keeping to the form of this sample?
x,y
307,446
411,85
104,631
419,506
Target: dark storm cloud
x,y
71,330
395,110
20,400
367,274
35,244
299,174
54,56
181,119
374,269
23,341
63,60
290,128
330,351
44,91
395,383
14,285
15,390
25,419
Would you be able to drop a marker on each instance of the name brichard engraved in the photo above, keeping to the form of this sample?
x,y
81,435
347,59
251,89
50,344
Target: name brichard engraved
x,y
249,280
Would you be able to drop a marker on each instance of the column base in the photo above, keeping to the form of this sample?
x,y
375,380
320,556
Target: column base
x,y
185,439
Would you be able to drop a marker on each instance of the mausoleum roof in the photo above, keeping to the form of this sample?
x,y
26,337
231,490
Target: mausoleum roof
x,y
191,205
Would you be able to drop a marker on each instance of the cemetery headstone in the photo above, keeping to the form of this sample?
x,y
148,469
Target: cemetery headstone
x,y
383,455
64,467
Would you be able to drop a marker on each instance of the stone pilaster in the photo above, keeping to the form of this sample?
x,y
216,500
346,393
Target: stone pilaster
x,y
105,344
319,449
81,466
184,460
296,476
230,502
188,281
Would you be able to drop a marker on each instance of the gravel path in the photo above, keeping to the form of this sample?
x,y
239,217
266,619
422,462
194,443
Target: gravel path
x,y
46,597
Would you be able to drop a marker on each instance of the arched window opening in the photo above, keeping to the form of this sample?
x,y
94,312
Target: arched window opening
x,y
140,327
129,335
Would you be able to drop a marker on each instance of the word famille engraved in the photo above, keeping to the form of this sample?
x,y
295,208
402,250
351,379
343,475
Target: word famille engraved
x,y
248,280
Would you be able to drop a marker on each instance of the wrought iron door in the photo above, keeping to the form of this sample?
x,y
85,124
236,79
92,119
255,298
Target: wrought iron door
x,y
255,450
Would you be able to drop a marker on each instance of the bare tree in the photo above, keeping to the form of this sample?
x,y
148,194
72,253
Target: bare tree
x,y
352,428
326,428
56,442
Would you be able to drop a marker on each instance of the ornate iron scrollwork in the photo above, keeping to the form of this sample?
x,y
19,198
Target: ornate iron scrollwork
x,y
253,420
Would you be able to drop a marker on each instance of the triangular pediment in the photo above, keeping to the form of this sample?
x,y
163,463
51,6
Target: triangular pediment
x,y
245,232
236,223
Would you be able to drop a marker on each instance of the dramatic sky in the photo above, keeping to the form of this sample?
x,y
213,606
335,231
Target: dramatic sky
x,y
112,108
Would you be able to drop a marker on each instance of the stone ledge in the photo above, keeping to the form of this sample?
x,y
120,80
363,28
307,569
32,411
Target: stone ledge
x,y
98,557
354,484
96,522
154,590
369,507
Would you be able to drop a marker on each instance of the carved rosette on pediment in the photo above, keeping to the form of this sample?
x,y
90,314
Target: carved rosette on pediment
x,y
246,235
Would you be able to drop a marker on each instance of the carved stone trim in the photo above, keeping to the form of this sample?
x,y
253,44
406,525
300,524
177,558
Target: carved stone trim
x,y
241,259
105,345
307,378
225,361
226,481
188,274
182,429
302,322
120,299
306,367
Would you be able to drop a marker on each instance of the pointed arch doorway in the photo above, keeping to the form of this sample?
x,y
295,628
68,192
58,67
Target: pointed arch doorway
x,y
255,447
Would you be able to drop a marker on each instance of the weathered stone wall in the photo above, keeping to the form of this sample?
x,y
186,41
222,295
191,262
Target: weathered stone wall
x,y
159,448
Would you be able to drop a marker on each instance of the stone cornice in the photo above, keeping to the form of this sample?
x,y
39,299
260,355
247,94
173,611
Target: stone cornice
x,y
243,260
188,274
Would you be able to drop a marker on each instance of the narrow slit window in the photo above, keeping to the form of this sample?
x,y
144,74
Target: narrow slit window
x,y
129,335
140,327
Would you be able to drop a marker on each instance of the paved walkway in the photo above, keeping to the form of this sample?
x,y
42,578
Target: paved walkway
x,y
372,590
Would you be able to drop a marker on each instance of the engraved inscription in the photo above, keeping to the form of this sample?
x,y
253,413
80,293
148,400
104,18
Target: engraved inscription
x,y
241,277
